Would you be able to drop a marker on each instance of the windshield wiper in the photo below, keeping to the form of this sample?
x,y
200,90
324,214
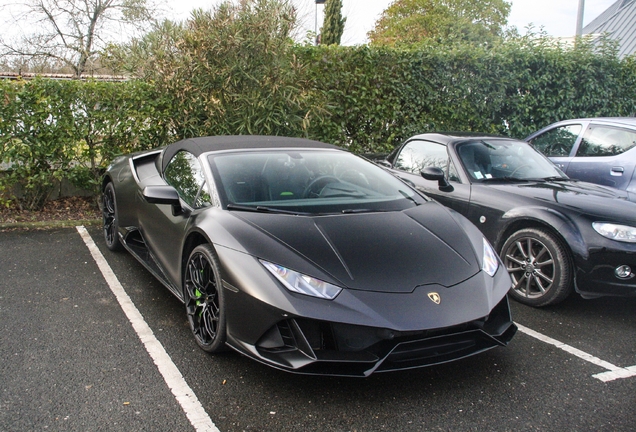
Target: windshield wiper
x,y
408,197
265,209
506,179
550,179
361,210
558,178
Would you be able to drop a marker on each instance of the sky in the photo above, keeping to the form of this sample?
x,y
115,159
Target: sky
x,y
557,17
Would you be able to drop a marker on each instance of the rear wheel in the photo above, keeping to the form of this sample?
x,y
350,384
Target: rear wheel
x,y
203,297
539,266
109,218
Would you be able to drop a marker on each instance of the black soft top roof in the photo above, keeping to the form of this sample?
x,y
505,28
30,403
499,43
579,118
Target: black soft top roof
x,y
446,138
200,145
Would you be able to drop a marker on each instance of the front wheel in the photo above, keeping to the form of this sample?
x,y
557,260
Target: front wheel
x,y
539,266
203,298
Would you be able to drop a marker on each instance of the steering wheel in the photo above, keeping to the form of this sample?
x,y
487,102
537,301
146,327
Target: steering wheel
x,y
316,185
354,176
512,174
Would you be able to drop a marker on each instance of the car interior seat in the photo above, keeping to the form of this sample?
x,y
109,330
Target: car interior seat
x,y
285,177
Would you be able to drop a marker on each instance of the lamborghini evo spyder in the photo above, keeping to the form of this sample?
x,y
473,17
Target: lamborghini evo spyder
x,y
306,257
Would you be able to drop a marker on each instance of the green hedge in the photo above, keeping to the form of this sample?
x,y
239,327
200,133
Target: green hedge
x,y
365,99
51,130
378,97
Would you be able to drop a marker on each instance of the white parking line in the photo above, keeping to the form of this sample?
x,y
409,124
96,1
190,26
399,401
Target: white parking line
x,y
613,371
175,381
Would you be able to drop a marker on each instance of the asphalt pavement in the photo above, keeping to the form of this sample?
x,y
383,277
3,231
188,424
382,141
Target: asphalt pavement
x,y
72,360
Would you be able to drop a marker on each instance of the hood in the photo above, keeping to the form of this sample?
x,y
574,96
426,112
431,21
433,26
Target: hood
x,y
590,199
383,252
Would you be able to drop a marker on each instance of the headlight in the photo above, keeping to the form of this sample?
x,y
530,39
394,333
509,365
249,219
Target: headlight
x,y
491,262
622,233
302,284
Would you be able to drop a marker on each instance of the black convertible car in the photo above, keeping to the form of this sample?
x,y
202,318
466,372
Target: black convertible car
x,y
554,234
305,257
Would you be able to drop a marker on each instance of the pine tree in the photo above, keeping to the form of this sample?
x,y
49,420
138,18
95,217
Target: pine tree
x,y
334,23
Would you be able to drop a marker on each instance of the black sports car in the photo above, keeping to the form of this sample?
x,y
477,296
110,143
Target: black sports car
x,y
553,234
305,257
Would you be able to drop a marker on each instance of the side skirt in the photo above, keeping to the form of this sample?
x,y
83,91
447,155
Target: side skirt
x,y
134,243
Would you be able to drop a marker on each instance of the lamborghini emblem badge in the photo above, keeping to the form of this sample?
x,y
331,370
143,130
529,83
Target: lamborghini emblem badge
x,y
435,298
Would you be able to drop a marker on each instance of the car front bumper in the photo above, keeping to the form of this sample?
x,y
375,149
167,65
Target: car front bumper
x,y
323,348
597,276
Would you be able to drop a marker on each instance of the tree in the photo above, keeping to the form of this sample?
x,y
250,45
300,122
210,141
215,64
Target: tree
x,y
413,22
228,71
140,56
334,23
70,33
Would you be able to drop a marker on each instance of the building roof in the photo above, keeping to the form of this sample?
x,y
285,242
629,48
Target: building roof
x,y
619,22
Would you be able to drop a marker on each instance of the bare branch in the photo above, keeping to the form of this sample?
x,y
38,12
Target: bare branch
x,y
72,32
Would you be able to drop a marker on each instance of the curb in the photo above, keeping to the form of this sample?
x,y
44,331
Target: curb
x,y
50,224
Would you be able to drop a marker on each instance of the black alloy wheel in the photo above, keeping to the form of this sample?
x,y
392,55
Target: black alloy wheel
x,y
109,218
203,298
539,266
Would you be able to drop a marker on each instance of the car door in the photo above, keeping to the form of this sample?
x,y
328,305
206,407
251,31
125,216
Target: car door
x,y
416,155
605,156
163,227
559,143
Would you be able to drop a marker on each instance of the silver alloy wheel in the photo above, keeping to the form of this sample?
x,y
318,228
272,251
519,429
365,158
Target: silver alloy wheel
x,y
531,266
540,265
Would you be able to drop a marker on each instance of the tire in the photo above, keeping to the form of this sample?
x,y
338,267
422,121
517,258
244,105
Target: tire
x,y
110,219
204,300
540,267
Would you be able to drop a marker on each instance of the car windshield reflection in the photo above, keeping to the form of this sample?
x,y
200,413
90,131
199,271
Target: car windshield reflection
x,y
503,160
307,182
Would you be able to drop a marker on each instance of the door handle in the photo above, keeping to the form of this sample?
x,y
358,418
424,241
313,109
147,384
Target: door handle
x,y
617,171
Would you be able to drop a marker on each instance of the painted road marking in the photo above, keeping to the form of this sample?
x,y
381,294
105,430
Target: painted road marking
x,y
613,371
188,400
172,376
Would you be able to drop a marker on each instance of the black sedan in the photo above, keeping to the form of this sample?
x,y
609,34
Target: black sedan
x,y
554,234
305,257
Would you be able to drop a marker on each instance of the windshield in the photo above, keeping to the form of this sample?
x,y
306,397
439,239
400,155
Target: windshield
x,y
307,182
496,159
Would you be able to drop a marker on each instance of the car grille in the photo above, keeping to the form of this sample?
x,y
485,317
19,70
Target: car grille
x,y
323,347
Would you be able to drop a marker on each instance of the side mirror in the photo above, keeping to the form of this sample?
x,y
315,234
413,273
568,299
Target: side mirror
x,y
436,174
163,195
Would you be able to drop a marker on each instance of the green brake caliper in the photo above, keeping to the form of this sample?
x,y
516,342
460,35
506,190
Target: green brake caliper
x,y
199,294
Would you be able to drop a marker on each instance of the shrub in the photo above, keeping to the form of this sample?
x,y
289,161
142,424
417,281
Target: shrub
x,y
51,130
